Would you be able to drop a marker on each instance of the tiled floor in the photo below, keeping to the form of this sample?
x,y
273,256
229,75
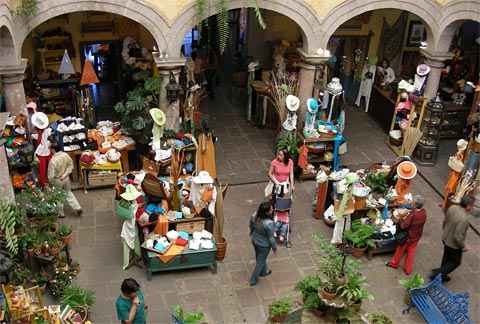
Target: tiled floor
x,y
243,153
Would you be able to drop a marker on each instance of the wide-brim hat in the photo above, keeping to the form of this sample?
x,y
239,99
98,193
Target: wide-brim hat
x,y
407,170
405,86
131,193
462,144
158,116
312,105
423,69
40,120
351,177
372,60
292,103
203,177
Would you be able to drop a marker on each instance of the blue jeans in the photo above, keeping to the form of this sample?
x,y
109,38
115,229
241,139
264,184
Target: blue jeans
x,y
282,227
261,269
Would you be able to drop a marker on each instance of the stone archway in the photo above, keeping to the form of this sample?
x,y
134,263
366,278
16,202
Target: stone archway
x,y
297,10
7,47
151,18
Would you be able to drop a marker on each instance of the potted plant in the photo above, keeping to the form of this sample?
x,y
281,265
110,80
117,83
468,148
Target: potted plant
x,y
62,264
416,282
315,304
65,233
354,290
377,182
359,237
186,318
343,316
75,266
39,279
40,204
21,276
78,298
60,281
308,285
279,309
53,247
380,317
292,144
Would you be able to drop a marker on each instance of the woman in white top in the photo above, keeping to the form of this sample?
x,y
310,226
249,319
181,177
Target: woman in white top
x,y
386,72
44,155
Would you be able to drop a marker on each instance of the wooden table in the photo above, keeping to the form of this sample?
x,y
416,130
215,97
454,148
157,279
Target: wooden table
x,y
75,155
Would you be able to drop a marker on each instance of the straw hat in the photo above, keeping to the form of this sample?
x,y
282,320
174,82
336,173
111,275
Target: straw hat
x,y
462,144
131,193
40,120
158,116
292,103
351,177
407,170
203,177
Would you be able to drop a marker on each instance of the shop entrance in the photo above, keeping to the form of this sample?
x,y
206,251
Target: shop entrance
x,y
105,57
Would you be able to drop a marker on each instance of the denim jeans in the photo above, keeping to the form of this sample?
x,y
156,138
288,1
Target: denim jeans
x,y
261,269
282,227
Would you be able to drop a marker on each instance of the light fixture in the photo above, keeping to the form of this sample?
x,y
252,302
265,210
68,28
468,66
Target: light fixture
x,y
173,89
66,67
88,75
319,51
423,45
326,52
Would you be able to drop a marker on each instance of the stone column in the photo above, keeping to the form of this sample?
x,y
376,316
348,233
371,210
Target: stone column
x,y
436,62
171,110
12,78
307,78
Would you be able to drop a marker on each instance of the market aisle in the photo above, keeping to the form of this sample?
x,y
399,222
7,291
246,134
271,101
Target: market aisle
x,y
243,154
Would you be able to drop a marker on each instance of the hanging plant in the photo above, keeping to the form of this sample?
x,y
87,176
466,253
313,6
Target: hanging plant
x,y
258,14
222,25
202,16
27,10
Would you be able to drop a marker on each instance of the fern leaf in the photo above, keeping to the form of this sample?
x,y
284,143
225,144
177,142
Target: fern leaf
x,y
258,13
202,16
222,25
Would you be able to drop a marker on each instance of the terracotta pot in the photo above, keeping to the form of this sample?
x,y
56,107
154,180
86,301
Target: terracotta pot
x,y
406,298
357,252
328,295
318,312
66,239
76,268
54,250
30,251
279,318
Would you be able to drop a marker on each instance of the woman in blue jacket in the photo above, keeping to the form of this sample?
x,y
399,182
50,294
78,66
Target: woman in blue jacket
x,y
261,234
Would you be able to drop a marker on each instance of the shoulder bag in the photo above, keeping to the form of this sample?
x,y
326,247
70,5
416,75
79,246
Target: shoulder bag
x,y
124,209
401,235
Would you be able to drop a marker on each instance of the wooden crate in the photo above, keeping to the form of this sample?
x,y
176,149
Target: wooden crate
x,y
102,178
195,225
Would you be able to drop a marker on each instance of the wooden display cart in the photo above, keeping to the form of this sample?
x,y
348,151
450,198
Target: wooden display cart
x,y
412,122
25,305
328,139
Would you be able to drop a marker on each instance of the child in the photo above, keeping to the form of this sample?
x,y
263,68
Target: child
x,y
281,219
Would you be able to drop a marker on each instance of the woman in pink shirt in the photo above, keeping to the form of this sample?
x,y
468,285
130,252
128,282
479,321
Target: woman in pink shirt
x,y
280,174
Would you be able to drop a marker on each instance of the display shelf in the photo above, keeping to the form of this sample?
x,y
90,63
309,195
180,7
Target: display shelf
x,y
454,120
61,96
105,175
51,56
415,118
315,159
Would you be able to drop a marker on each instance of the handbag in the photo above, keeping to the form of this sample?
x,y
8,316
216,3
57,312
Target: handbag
x,y
455,164
150,166
401,235
124,209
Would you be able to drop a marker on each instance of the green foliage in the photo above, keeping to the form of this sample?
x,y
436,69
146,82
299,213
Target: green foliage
x,y
331,261
258,14
308,285
27,9
278,307
21,275
65,229
60,281
360,234
39,202
378,183
416,282
380,317
354,290
344,315
313,301
188,318
76,296
134,114
291,144
222,25
202,15
8,221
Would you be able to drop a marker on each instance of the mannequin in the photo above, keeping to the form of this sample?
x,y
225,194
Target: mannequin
x,y
159,119
129,234
454,176
368,76
43,153
292,104
406,171
421,79
342,219
312,109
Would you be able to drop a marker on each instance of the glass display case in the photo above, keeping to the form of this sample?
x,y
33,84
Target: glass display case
x,y
426,151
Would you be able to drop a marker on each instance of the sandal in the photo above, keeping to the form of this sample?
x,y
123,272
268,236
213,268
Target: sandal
x,y
388,264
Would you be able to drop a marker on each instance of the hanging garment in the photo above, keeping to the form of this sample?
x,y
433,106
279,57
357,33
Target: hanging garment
x,y
452,182
368,76
206,154
290,122
302,159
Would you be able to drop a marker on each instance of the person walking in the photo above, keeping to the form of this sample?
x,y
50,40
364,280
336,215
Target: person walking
x,y
280,174
211,65
131,307
263,239
59,170
415,221
455,225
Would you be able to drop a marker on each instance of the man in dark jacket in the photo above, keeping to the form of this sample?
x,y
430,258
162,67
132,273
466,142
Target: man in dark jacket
x,y
415,221
455,227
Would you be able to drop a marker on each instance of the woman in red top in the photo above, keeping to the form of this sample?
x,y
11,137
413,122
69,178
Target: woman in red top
x,y
280,174
415,220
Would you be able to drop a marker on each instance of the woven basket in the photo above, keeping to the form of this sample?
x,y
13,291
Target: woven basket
x,y
43,76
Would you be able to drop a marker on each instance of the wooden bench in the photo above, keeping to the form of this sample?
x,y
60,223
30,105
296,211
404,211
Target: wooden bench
x,y
437,305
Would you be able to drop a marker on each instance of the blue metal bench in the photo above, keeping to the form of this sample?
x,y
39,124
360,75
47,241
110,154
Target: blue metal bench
x,y
437,305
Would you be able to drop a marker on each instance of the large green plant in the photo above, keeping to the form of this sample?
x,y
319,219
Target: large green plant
x,y
76,296
291,143
134,112
380,317
308,285
8,221
416,282
354,290
279,307
187,318
360,235
377,182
